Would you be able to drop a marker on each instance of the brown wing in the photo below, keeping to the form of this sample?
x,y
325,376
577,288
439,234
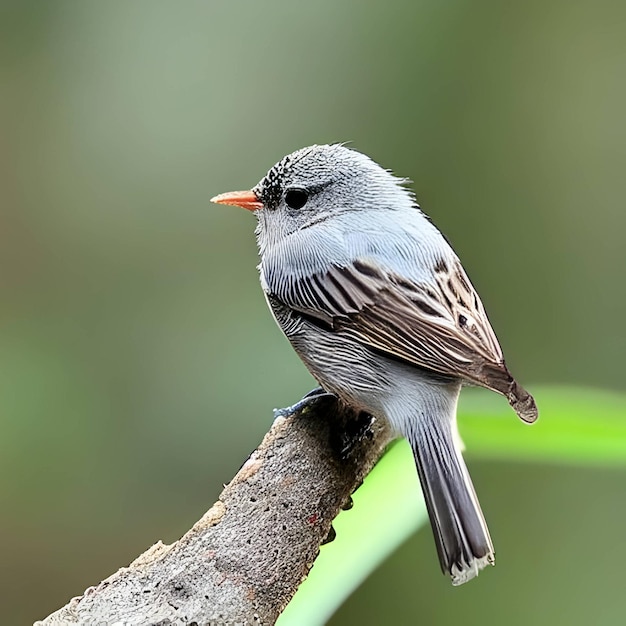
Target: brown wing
x,y
441,326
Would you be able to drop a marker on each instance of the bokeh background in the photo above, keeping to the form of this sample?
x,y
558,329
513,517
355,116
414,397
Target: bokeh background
x,y
138,363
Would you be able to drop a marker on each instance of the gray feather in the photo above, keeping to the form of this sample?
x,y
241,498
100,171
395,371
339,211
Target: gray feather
x,y
377,305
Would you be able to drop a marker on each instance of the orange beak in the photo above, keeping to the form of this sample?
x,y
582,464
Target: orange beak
x,y
244,199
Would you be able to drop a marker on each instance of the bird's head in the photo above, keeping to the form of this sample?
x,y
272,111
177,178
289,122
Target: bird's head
x,y
318,183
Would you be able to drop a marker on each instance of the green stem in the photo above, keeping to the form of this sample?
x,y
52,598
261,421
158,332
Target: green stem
x,y
576,426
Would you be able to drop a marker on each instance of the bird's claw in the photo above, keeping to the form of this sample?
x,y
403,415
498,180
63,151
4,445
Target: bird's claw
x,y
309,399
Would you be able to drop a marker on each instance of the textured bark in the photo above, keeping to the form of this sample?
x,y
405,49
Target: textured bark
x,y
243,561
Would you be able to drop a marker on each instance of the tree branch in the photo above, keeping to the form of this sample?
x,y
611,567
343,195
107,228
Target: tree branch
x,y
243,561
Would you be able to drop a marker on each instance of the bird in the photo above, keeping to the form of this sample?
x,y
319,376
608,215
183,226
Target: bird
x,y
377,305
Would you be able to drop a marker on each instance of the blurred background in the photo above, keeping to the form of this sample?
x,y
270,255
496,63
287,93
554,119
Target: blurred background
x,y
138,363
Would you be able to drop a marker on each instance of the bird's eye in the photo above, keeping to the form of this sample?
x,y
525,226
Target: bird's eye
x,y
296,198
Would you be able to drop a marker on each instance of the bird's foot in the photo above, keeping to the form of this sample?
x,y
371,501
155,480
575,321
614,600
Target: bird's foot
x,y
356,430
313,397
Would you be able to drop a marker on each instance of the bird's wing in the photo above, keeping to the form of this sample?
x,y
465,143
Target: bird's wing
x,y
440,326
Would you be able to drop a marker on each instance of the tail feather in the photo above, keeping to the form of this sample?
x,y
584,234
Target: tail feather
x,y
461,535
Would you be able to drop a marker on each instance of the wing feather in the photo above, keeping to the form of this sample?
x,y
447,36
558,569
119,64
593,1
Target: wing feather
x,y
440,326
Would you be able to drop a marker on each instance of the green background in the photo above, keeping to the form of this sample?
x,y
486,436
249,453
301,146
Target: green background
x,y
138,363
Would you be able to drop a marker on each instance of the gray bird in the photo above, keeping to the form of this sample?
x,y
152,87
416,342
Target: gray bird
x,y
380,310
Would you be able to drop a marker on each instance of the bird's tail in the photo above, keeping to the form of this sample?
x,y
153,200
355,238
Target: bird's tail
x,y
463,542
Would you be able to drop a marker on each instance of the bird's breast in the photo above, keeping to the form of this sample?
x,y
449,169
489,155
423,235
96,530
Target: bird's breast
x,y
407,247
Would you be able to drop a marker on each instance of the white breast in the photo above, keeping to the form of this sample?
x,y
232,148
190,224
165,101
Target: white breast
x,y
403,241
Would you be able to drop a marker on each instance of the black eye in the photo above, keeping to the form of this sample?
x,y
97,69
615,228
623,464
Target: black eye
x,y
296,198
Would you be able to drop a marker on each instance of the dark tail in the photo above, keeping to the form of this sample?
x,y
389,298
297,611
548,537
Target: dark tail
x,y
460,531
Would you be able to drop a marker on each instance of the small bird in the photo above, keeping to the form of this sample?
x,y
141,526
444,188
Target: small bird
x,y
380,310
